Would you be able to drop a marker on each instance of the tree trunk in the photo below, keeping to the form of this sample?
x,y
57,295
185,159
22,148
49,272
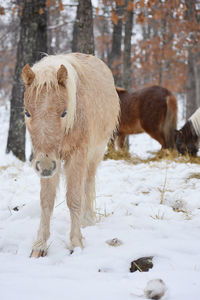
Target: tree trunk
x,y
32,39
41,36
191,102
83,35
114,59
127,54
193,66
127,47
76,30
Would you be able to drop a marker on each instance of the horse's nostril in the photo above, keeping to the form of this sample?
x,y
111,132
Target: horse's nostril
x,y
54,165
46,173
37,165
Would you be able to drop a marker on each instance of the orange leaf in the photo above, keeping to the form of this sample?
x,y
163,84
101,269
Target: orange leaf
x,y
61,5
13,11
41,11
141,18
120,2
97,10
2,10
114,17
130,6
49,3
124,18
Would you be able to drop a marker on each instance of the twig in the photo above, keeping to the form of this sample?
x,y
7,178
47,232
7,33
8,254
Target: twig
x,y
164,185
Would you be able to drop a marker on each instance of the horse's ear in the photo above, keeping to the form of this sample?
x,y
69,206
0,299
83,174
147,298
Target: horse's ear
x,y
27,75
62,75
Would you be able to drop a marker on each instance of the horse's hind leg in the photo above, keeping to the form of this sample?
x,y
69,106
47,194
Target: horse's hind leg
x,y
76,174
47,197
121,141
88,215
111,144
90,194
159,137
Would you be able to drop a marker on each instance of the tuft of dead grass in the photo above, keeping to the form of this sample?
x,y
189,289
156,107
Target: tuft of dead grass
x,y
163,154
158,216
4,168
117,155
193,176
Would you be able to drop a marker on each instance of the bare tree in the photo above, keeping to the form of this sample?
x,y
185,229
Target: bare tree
x,y
114,59
33,22
83,37
76,30
127,45
193,65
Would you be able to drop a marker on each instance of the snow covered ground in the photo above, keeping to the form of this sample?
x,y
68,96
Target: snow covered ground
x,y
128,207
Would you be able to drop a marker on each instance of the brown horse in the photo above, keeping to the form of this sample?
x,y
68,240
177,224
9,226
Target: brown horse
x,y
188,137
152,110
69,118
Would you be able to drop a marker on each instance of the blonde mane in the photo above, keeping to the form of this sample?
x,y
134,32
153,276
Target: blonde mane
x,y
195,119
46,75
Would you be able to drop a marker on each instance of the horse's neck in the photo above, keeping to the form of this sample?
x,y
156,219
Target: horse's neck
x,y
195,119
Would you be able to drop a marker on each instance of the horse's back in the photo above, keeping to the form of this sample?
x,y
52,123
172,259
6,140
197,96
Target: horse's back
x,y
152,106
97,103
96,94
145,109
158,114
129,117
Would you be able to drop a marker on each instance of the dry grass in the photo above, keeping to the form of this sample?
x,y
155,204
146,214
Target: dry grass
x,y
158,216
193,176
3,168
163,154
117,155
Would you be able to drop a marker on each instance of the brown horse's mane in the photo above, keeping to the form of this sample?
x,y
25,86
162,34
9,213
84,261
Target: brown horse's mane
x,y
188,132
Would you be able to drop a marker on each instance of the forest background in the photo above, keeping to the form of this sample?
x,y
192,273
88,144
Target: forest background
x,y
144,42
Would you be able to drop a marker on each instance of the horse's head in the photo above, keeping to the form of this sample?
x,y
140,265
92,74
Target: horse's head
x,y
45,108
186,144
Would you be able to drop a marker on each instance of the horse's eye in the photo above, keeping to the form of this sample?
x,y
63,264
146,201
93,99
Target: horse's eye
x,y
63,114
26,112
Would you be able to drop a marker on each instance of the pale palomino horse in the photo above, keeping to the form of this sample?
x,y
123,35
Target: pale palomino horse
x,y
71,109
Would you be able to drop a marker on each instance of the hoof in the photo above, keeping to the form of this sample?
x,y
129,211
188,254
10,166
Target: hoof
x,y
38,253
75,243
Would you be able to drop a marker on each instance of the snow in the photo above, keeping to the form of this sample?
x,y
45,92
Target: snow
x,y
128,208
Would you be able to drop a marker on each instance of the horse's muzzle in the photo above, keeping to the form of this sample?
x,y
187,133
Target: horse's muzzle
x,y
45,167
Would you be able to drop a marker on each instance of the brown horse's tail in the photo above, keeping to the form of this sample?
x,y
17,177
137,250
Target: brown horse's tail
x,y
170,121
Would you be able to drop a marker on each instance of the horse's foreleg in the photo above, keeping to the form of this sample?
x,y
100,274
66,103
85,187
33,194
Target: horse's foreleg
x,y
76,173
47,197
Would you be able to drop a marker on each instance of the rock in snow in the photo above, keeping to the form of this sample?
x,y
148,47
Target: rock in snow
x,y
155,289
